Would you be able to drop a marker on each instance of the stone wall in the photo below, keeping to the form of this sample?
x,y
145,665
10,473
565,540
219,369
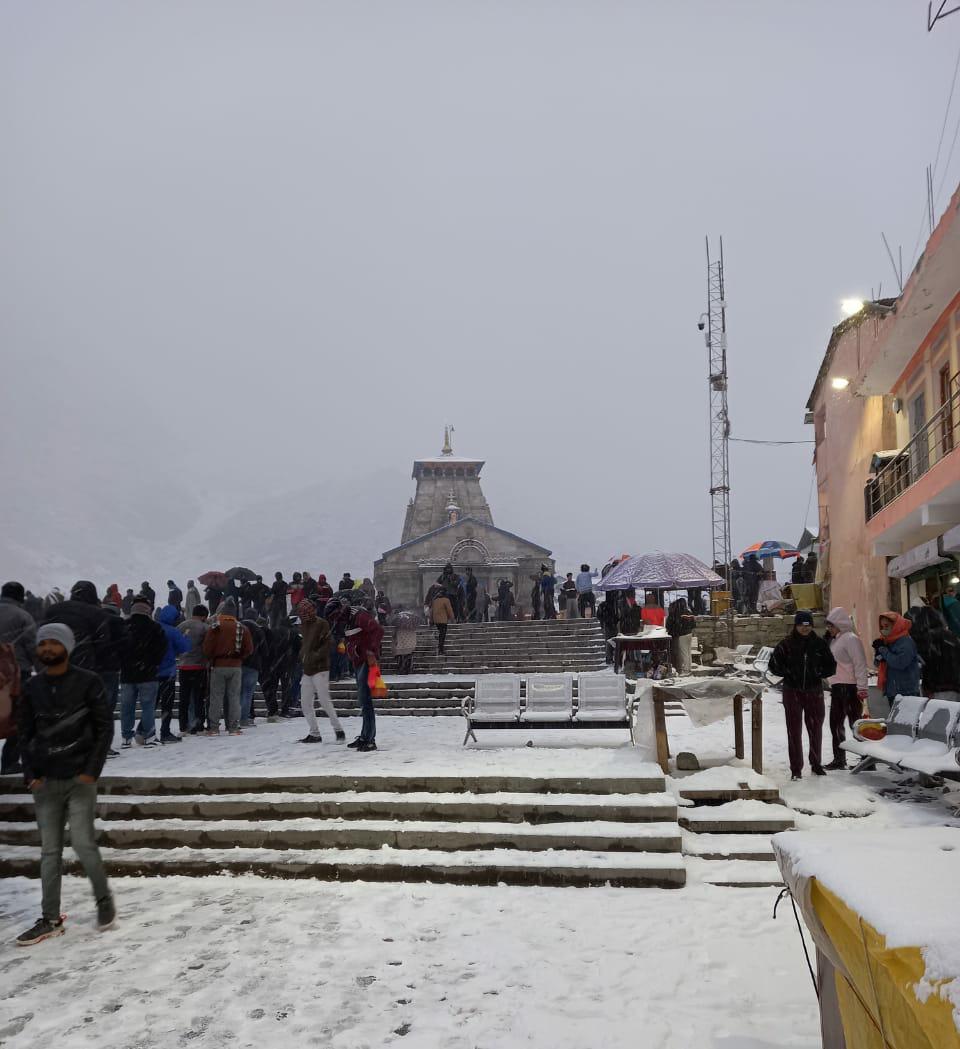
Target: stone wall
x,y
750,630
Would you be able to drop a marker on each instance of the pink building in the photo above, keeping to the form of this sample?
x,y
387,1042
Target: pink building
x,y
886,415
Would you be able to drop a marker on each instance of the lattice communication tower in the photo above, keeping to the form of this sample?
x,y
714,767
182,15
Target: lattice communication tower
x,y
716,337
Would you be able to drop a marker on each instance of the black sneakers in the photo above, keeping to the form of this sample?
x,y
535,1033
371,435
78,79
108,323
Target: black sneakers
x,y
355,744
836,764
819,770
106,914
366,745
43,930
341,737
311,739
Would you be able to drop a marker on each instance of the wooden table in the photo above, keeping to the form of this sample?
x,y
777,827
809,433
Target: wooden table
x,y
756,729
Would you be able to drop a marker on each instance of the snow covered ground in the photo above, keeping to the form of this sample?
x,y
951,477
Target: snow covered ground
x,y
244,961
247,962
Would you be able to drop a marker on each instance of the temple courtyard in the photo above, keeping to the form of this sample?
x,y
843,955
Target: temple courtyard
x,y
241,960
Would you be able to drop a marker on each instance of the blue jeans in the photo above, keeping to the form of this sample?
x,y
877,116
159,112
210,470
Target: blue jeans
x,y
146,692
248,682
368,730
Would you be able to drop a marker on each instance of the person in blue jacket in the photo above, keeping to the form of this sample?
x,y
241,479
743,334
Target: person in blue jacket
x,y
896,659
177,643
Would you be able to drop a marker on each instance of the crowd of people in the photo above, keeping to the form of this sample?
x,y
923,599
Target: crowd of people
x,y
289,639
914,654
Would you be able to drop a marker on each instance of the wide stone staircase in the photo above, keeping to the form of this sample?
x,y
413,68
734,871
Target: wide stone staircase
x,y
476,830
525,647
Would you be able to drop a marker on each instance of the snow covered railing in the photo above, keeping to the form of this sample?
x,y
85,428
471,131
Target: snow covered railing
x,y
923,735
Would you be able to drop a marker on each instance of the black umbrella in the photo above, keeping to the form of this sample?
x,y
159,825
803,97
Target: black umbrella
x,y
243,574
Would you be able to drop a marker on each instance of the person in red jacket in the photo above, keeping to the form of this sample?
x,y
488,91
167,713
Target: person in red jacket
x,y
651,612
363,636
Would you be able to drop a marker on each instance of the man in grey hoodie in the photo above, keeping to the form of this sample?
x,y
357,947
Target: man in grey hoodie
x,y
848,686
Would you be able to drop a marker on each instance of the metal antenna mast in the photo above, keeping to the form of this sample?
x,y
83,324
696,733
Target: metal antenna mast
x,y
719,418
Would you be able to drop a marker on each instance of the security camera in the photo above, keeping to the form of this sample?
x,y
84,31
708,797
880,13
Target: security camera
x,y
700,325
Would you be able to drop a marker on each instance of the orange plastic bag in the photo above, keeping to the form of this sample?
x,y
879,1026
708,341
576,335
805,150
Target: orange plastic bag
x,y
378,687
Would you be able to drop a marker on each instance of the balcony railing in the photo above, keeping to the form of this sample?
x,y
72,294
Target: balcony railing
x,y
934,441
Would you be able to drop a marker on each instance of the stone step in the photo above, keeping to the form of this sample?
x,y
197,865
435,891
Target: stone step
x,y
480,867
754,847
651,781
735,874
311,833
737,817
504,806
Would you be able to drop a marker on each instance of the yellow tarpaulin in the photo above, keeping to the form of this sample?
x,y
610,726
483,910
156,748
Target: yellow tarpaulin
x,y
879,1007
899,996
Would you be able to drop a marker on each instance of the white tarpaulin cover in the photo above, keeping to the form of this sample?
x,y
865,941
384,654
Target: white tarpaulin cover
x,y
709,699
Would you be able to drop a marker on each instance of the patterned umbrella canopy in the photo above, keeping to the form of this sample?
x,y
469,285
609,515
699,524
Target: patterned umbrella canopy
x,y
772,548
660,572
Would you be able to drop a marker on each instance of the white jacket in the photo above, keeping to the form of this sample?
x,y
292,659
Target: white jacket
x,y
847,649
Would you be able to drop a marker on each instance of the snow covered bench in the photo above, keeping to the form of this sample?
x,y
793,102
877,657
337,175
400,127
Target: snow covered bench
x,y
549,704
923,735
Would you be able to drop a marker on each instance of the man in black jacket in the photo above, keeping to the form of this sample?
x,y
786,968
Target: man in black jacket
x,y
65,728
88,622
278,601
144,647
803,660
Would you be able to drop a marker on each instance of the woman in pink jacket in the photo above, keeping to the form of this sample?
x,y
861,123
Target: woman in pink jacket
x,y
848,687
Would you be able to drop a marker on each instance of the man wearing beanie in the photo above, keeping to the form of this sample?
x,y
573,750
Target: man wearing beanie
x,y
66,727
803,660
17,628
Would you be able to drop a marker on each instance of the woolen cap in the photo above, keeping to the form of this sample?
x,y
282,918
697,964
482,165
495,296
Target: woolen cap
x,y
57,632
13,590
140,608
803,616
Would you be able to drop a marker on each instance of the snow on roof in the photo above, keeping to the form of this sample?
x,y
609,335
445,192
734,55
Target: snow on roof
x,y
902,881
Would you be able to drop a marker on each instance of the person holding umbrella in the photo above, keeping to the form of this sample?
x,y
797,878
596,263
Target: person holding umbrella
x,y
214,583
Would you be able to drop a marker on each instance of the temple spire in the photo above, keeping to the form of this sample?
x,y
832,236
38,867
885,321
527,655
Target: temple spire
x,y
447,447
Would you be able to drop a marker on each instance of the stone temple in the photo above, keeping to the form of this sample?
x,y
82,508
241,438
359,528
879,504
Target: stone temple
x,y
449,520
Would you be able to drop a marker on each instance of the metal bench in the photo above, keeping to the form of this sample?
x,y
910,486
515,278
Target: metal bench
x,y
902,725
602,703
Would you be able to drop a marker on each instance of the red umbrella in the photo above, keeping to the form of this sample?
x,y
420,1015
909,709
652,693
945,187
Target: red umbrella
x,y
772,548
212,579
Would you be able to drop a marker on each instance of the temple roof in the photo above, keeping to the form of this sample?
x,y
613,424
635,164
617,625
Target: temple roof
x,y
541,550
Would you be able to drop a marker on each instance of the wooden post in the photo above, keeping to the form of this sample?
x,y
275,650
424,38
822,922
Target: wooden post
x,y
738,726
756,740
660,730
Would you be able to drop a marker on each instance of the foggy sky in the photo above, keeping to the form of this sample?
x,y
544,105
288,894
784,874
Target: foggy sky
x,y
247,248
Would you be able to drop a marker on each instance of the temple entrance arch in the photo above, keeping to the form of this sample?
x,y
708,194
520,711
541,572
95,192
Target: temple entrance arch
x,y
469,551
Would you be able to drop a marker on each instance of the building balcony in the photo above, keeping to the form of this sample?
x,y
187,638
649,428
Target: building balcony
x,y
915,491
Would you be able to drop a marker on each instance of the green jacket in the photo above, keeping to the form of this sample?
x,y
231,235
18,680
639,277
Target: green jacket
x,y
315,646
